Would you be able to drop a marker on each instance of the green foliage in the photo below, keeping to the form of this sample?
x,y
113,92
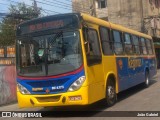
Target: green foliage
x,y
17,14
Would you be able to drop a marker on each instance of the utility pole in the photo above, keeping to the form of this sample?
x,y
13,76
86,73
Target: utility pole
x,y
35,8
142,16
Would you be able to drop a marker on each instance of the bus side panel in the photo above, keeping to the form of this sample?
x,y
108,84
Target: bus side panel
x,y
122,71
109,66
136,70
150,63
95,83
131,70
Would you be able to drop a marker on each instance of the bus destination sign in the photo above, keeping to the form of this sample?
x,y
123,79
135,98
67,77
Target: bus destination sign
x,y
46,25
49,22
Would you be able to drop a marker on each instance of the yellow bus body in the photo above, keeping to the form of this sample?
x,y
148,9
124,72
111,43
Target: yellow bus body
x,y
94,87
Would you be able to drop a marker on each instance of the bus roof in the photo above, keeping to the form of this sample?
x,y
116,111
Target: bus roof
x,y
56,22
90,19
47,17
113,26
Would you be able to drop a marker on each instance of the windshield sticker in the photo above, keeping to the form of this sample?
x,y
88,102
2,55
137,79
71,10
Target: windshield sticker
x,y
40,52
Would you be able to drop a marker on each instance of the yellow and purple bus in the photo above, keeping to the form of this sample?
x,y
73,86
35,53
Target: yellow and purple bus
x,y
77,59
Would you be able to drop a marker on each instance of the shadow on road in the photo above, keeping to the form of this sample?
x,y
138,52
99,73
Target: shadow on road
x,y
134,90
93,109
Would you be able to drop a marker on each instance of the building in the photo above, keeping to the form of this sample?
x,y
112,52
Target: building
x,y
97,8
140,15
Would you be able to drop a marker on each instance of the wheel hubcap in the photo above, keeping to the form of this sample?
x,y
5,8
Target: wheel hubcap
x,y
110,92
147,81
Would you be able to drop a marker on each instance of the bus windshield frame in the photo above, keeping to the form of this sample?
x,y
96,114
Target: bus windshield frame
x,y
49,54
51,31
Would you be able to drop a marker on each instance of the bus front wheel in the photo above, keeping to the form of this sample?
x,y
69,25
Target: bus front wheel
x,y
111,96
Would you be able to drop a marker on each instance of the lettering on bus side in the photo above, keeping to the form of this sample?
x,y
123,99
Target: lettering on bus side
x,y
134,62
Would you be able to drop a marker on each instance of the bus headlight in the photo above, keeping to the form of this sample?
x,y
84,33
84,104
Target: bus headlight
x,y
77,84
22,89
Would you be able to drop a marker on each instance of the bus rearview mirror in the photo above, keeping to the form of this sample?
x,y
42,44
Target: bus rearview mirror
x,y
87,47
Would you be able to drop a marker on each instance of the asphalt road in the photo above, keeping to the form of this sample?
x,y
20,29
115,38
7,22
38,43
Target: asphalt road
x,y
137,98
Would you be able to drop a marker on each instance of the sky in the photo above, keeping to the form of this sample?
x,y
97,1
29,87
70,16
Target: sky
x,y
49,7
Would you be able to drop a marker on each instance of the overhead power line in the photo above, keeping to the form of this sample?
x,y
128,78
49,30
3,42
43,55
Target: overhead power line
x,y
58,3
68,0
31,6
3,14
64,5
3,4
53,5
86,10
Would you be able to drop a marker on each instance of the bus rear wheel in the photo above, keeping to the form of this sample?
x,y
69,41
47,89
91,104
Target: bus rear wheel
x,y
147,79
111,96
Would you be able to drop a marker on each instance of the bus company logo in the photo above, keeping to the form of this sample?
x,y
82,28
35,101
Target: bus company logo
x,y
134,62
47,91
120,63
37,89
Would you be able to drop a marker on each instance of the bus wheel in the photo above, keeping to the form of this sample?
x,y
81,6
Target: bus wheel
x,y
147,80
111,96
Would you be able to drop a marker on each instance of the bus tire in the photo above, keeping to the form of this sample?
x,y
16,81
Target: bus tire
x,y
111,96
147,80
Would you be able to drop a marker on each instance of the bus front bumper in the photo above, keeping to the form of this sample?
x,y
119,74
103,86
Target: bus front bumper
x,y
79,97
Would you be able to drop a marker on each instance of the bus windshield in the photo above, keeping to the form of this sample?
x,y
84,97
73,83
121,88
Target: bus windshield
x,y
48,55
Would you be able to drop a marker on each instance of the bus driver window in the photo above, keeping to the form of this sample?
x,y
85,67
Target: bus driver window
x,y
92,46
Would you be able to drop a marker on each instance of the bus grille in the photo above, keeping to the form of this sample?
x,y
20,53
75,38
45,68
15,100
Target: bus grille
x,y
48,99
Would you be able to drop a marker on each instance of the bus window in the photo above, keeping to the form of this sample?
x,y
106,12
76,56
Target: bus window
x,y
118,48
149,46
93,47
143,46
106,41
128,44
136,44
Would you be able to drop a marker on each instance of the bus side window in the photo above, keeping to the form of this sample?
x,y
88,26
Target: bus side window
x,y
136,44
92,46
149,46
118,46
106,41
143,46
128,44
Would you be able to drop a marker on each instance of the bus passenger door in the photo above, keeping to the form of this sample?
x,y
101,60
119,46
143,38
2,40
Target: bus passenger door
x,y
94,67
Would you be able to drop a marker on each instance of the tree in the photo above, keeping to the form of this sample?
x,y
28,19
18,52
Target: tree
x,y
17,14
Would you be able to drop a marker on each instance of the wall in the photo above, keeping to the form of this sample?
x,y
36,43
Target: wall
x,y
7,84
140,15
151,18
127,13
81,6
84,6
153,7
133,14
101,12
7,75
